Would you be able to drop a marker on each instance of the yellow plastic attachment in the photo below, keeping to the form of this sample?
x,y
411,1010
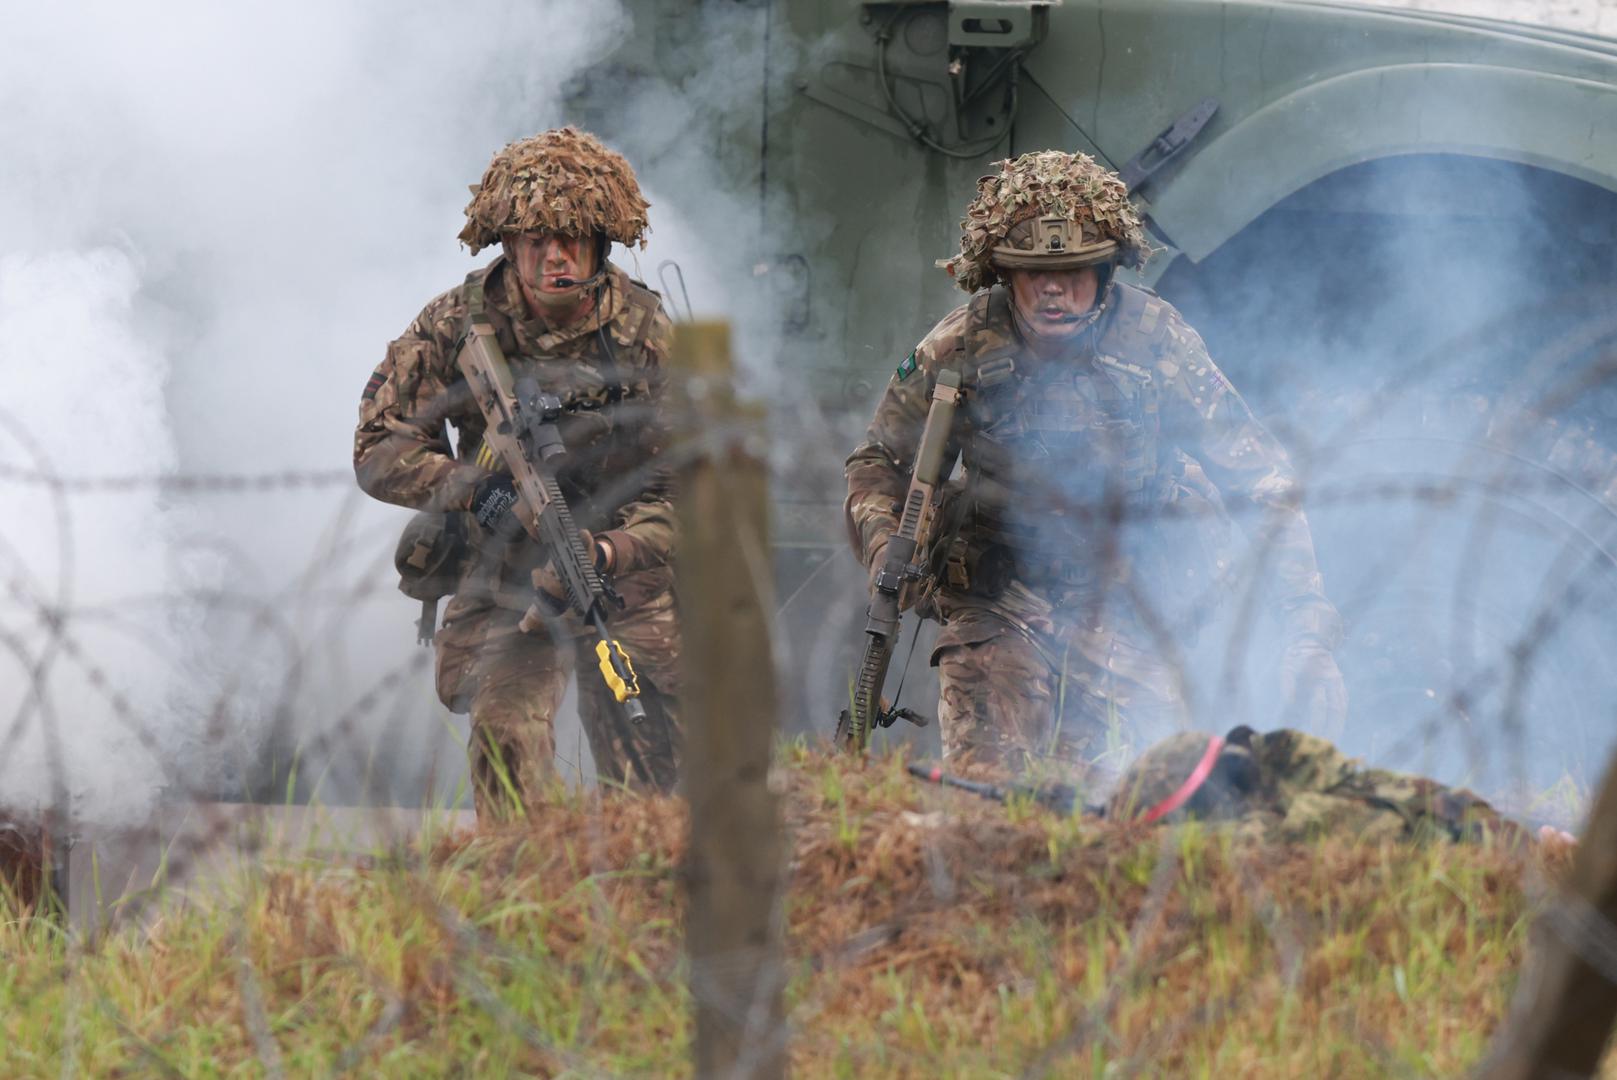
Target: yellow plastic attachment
x,y
621,690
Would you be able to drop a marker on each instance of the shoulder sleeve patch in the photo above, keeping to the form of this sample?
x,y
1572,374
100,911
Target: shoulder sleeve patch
x,y
1149,317
907,368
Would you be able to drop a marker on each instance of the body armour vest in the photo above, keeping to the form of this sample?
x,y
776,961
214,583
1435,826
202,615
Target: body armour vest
x,y
1058,449
607,407
597,393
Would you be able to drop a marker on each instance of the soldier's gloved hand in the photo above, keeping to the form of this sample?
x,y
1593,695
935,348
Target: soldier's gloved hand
x,y
494,503
1312,689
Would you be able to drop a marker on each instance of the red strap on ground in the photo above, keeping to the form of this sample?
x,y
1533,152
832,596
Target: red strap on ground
x,y
936,776
1198,776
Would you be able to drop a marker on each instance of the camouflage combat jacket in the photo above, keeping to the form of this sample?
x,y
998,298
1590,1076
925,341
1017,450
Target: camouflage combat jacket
x,y
1135,418
1306,788
608,369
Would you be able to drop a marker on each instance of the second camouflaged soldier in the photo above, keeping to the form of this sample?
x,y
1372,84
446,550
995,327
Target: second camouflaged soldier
x,y
1290,786
1276,787
598,341
1099,445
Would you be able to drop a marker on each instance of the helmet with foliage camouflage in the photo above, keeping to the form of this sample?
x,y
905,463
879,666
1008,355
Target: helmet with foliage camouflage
x,y
1187,774
562,181
1047,210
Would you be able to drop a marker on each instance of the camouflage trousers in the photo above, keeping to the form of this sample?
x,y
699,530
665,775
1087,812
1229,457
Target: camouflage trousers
x,y
1027,676
512,683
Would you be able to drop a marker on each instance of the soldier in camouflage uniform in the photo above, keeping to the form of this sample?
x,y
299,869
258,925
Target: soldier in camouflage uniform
x,y
1100,445
1287,785
599,341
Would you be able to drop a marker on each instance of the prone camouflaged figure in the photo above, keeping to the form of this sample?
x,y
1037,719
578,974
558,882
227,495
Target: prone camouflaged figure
x,y
1101,449
1287,785
598,341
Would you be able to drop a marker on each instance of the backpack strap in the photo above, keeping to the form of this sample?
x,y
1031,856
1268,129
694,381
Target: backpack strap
x,y
476,286
476,309
1130,347
640,309
476,299
986,353
637,317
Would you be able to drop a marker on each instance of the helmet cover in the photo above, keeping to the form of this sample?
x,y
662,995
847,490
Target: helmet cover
x,y
560,181
1047,210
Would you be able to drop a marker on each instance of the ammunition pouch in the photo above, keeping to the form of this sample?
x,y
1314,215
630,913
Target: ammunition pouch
x,y
989,569
1065,574
961,563
430,556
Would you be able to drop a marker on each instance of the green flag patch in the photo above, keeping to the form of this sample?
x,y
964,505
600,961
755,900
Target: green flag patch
x,y
907,368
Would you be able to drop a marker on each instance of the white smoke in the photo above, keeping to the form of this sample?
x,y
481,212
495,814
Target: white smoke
x,y
79,380
1447,399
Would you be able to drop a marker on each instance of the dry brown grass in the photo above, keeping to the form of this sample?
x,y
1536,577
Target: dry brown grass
x,y
929,934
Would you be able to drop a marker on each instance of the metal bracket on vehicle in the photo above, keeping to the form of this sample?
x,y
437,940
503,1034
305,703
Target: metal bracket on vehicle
x,y
944,74
827,88
1168,144
993,24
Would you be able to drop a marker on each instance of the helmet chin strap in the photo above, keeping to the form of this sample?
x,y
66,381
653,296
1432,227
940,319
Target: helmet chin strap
x,y
1103,288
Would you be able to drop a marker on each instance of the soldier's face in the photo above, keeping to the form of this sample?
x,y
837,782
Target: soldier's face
x,y
550,262
1052,302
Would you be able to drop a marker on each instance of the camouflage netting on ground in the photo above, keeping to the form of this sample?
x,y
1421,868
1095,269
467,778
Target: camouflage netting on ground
x,y
1074,186
565,181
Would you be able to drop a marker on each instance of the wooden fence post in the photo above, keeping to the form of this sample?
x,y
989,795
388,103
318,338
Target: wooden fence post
x,y
1562,1016
734,914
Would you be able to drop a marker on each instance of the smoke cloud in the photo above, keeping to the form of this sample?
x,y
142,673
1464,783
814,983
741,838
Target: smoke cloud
x,y
1426,335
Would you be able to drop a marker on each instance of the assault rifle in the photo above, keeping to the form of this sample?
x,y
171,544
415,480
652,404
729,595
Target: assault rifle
x,y
900,568
522,432
1062,798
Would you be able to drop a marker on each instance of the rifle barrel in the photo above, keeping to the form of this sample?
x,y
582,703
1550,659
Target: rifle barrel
x,y
1062,798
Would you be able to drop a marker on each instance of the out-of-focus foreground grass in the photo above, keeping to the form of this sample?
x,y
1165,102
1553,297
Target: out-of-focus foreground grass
x,y
929,934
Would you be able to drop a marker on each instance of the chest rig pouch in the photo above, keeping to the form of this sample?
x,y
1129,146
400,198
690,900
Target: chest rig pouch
x,y
1055,446
985,357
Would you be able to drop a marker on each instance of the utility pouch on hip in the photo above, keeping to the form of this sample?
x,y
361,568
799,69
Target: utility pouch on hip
x,y
968,566
429,559
947,556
